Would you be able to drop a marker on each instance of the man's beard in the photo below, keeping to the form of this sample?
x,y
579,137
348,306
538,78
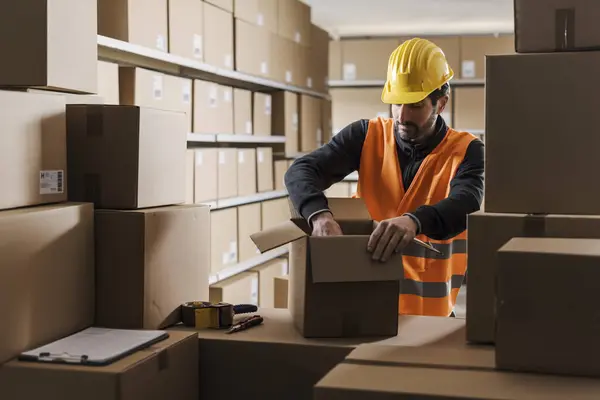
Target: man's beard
x,y
408,131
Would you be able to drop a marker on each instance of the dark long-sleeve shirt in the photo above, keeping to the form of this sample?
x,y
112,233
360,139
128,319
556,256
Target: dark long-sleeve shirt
x,y
313,173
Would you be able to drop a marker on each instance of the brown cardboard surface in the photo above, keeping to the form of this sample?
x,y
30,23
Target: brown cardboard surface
x,y
283,60
226,5
264,168
326,121
126,157
242,112
274,212
266,280
190,167
61,51
318,60
262,13
33,142
311,132
186,28
213,108
149,262
134,21
340,189
227,183
280,292
252,49
165,370
246,183
249,221
350,105
239,289
474,49
280,167
469,108
488,232
301,66
206,175
262,110
366,58
326,297
285,120
556,25
218,36
335,60
526,74
46,268
108,82
294,21
224,239
528,337
179,96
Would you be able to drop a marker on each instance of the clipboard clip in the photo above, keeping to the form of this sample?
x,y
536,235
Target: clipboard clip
x,y
62,358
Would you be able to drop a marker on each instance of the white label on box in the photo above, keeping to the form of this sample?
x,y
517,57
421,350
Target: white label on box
x,y
284,268
468,69
320,136
197,46
240,157
384,114
349,72
221,157
264,68
295,121
261,157
254,290
229,61
157,87
268,105
225,258
353,188
249,127
161,43
309,82
187,92
260,19
227,94
213,96
52,182
233,252
199,158
298,37
288,76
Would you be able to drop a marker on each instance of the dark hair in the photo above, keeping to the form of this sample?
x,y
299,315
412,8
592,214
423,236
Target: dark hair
x,y
439,93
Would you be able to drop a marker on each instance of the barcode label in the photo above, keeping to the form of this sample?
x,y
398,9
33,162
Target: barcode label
x,y
298,37
227,95
52,182
213,96
268,105
197,46
229,61
249,127
241,157
161,43
157,87
260,19
264,68
309,82
254,291
288,76
261,158
187,92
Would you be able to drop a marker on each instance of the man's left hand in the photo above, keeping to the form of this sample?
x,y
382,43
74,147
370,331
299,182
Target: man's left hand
x,y
391,235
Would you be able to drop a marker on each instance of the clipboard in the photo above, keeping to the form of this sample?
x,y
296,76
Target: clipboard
x,y
94,346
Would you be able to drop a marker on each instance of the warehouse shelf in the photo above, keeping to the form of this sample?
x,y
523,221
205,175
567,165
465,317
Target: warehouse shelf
x,y
230,138
125,53
243,200
247,265
377,83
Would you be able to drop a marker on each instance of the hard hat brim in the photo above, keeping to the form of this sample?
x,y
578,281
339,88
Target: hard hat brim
x,y
403,98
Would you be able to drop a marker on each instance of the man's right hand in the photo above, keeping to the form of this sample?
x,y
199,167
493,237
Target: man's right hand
x,y
324,225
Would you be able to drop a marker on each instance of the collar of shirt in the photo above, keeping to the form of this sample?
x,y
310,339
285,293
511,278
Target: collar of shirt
x,y
421,151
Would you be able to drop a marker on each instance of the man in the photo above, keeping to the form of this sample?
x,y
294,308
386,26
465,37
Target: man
x,y
417,176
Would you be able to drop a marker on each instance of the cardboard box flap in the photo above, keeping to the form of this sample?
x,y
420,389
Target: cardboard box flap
x,y
342,208
555,246
279,235
346,259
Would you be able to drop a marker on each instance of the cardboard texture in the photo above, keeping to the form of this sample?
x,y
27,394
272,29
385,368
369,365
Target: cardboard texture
x,y
108,82
252,49
46,275
33,151
350,105
556,25
311,132
142,22
280,292
527,74
264,169
246,161
469,108
488,232
262,13
180,97
186,28
262,111
474,49
149,262
242,112
227,183
223,239
165,370
242,288
319,50
335,60
280,167
527,335
283,60
327,298
226,5
266,280
206,178
274,212
213,108
190,166
288,360
366,59
294,21
62,51
126,157
218,36
326,121
249,221
341,189
286,121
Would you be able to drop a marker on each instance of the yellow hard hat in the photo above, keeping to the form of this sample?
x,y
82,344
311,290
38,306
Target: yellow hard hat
x,y
416,68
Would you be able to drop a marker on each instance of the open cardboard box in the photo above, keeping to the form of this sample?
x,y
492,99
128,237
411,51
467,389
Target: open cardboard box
x,y
336,289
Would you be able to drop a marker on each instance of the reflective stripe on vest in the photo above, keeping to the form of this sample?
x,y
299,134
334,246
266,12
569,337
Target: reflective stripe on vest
x,y
431,282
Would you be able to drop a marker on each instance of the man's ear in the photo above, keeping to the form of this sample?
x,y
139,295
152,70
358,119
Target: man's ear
x,y
441,103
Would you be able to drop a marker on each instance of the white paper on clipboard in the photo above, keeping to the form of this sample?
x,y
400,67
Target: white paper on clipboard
x,y
94,346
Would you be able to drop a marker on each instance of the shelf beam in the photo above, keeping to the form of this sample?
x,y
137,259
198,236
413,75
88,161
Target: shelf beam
x,y
228,272
230,138
243,200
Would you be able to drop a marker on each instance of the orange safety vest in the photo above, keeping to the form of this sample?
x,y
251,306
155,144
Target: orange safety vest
x,y
431,282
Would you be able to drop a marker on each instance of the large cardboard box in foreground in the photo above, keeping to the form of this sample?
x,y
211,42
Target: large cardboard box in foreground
x,y
331,277
46,275
33,149
165,370
488,232
546,26
541,175
126,157
58,49
542,281
149,262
